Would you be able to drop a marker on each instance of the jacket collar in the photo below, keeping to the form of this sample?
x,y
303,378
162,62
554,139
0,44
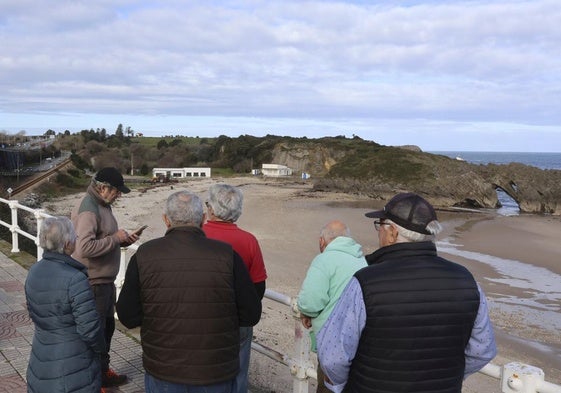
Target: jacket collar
x,y
66,259
187,229
92,191
401,250
222,224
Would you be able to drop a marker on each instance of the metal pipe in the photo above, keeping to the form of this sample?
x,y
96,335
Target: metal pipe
x,y
278,297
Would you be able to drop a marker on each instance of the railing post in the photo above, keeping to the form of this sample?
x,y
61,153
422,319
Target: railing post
x,y
521,378
301,366
39,216
14,227
120,279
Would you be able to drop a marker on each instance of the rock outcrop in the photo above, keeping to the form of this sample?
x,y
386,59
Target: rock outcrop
x,y
535,190
367,168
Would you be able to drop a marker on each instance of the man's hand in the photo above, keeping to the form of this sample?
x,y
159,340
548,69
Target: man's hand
x,y
125,238
133,237
122,235
306,321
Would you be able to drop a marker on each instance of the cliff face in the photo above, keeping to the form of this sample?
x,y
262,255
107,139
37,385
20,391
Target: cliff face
x,y
380,172
313,158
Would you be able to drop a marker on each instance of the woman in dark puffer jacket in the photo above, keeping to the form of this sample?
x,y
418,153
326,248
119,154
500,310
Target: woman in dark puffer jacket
x,y
67,341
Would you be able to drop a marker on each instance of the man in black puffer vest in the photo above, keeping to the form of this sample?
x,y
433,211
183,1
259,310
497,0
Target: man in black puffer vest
x,y
190,295
411,321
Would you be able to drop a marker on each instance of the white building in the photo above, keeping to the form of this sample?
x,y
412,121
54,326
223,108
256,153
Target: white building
x,y
275,170
179,173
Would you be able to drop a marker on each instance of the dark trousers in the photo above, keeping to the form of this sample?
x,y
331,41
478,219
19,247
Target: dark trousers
x,y
155,385
105,295
321,381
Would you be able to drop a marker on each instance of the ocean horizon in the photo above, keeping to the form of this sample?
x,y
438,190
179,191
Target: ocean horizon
x,y
539,160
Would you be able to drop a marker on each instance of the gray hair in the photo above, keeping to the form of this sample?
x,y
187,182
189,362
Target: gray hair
x,y
226,201
184,208
409,236
56,233
98,184
334,229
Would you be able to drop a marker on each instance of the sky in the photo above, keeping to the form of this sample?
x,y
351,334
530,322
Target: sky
x,y
442,75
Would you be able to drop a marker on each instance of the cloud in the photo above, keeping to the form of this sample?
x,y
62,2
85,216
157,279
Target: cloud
x,y
465,61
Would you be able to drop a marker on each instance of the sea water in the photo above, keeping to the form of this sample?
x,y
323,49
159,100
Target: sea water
x,y
538,160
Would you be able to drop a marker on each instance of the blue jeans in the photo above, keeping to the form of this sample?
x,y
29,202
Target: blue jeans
x,y
246,336
155,385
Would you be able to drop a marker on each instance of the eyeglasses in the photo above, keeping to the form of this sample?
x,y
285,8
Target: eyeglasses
x,y
378,224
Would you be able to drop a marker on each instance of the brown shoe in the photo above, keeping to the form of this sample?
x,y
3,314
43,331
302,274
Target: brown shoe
x,y
111,378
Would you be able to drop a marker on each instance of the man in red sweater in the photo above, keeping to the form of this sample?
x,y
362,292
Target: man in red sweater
x,y
224,207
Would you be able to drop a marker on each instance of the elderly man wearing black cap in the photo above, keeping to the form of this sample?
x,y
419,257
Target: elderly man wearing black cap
x,y
411,321
98,248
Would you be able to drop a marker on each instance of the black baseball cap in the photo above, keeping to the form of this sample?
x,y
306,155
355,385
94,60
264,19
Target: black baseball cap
x,y
409,211
112,177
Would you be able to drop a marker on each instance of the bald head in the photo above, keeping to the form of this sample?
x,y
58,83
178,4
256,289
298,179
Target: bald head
x,y
332,230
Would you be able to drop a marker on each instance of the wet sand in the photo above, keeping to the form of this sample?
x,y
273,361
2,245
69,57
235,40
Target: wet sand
x,y
516,260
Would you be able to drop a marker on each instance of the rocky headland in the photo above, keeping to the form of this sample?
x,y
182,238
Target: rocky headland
x,y
366,168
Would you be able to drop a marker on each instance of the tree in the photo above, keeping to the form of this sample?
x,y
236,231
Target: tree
x,y
114,141
119,132
94,147
110,157
144,170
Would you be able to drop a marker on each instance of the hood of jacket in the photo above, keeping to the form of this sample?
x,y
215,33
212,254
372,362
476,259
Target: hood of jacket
x,y
346,245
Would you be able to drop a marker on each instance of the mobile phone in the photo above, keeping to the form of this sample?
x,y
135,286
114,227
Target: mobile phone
x,y
139,230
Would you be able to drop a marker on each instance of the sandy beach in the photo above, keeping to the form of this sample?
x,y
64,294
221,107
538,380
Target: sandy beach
x,y
516,260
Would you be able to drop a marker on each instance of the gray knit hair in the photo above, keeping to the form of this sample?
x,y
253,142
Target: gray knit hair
x,y
226,201
55,233
184,208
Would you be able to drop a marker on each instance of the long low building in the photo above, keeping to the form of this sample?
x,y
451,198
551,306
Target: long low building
x,y
275,170
179,173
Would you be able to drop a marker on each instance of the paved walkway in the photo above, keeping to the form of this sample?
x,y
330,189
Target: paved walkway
x,y
16,335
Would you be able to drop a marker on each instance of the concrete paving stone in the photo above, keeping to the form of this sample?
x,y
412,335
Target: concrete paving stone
x,y
17,307
13,384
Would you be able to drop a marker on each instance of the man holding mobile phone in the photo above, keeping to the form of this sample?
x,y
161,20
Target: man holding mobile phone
x,y
98,247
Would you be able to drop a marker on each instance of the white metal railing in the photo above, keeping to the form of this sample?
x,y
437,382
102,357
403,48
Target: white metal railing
x,y
514,377
13,226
